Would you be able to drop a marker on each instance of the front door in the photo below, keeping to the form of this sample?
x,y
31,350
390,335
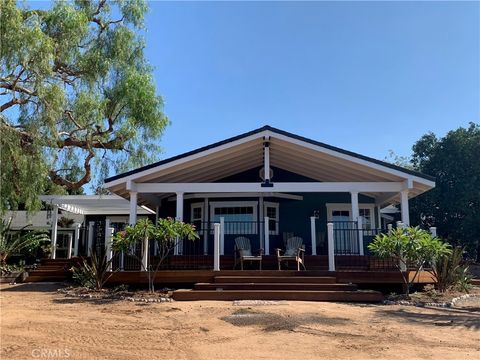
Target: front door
x,y
344,232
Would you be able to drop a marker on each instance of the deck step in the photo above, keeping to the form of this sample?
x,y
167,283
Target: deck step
x,y
31,278
275,286
276,279
343,296
42,272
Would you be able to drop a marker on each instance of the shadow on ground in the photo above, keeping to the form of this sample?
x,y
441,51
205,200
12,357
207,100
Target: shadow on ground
x,y
274,322
34,287
450,317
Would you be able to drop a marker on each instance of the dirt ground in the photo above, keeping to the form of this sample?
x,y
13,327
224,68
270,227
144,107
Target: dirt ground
x,y
37,322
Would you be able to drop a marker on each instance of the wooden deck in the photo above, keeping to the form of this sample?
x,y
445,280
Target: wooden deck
x,y
207,276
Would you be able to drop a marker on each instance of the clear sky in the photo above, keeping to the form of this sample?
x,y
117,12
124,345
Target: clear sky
x,y
364,76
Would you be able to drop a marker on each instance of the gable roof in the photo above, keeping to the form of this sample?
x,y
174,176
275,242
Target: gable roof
x,y
272,130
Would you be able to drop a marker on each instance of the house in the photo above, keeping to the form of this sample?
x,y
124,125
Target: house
x,y
76,223
269,185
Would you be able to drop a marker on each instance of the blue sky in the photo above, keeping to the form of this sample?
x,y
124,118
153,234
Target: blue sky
x,y
367,77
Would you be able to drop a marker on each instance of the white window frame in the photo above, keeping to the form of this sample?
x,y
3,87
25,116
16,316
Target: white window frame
x,y
201,206
222,204
277,212
331,207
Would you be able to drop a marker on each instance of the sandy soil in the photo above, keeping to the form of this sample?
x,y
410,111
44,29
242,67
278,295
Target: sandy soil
x,y
36,321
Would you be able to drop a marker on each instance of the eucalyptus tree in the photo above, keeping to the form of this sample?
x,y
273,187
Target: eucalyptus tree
x,y
77,96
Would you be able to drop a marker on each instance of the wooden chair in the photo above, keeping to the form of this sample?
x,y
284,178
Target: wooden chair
x,y
243,252
295,251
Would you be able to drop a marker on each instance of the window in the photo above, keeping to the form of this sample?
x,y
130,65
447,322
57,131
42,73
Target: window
x,y
366,216
240,217
342,212
197,215
271,210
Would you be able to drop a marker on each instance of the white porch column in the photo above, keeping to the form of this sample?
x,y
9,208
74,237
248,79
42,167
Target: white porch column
x,y
355,211
267,236
205,226
222,236
404,205
401,225
108,245
90,238
133,207
216,247
54,231
266,159
77,238
69,245
262,225
379,217
360,236
313,233
331,247
179,216
433,231
145,255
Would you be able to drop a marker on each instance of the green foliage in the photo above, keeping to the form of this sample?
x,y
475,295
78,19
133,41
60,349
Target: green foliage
x,y
448,269
18,241
93,275
77,97
411,247
464,280
453,206
164,235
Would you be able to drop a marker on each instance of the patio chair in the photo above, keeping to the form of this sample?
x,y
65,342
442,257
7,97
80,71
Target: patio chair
x,y
295,251
243,252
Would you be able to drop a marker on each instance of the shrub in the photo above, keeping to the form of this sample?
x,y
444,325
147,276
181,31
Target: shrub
x,y
410,246
94,275
447,269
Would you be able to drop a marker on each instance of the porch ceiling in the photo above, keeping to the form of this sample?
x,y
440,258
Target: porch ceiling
x,y
314,160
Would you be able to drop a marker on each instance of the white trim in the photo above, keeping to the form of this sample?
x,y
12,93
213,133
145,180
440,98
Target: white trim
x,y
348,207
353,159
278,187
240,194
277,213
185,159
198,205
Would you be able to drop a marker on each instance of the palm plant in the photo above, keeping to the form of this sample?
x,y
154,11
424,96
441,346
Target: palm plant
x,y
93,274
15,242
449,271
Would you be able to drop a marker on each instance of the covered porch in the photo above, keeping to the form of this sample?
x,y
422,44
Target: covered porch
x,y
268,186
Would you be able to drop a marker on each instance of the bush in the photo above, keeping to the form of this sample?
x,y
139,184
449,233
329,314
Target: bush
x,y
449,272
410,246
94,275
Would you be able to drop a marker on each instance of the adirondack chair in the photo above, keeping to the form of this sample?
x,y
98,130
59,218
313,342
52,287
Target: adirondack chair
x,y
243,252
295,251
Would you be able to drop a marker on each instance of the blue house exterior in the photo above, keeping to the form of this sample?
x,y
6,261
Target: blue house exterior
x,y
269,185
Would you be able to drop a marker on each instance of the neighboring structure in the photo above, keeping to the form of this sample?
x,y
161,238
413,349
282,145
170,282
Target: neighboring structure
x,y
71,218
